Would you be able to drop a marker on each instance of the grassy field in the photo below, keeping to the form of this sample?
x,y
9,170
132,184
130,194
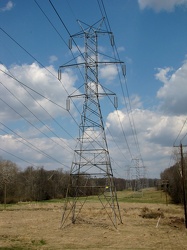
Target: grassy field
x,y
149,195
148,223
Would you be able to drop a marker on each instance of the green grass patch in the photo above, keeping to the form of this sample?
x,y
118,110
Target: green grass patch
x,y
149,195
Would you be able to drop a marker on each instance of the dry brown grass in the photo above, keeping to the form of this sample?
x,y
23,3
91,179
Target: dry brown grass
x,y
36,226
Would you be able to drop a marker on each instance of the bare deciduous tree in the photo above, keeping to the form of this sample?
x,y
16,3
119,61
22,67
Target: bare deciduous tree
x,y
8,175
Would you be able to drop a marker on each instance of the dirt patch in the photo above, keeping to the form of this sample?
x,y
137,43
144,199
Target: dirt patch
x,y
150,214
37,226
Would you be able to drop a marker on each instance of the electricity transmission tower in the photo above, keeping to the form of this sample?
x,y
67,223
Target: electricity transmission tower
x,y
139,174
91,171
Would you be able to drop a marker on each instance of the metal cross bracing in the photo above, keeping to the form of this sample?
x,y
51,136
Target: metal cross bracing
x,y
91,170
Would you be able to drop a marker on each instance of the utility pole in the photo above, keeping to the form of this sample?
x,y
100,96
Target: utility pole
x,y
183,168
91,169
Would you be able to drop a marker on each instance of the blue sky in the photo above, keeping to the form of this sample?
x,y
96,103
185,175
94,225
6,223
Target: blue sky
x,y
151,39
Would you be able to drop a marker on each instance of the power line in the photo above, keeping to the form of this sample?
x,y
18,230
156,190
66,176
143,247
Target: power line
x,y
62,39
131,119
183,137
24,49
33,114
74,58
40,62
47,112
41,96
50,22
71,9
26,119
115,142
67,32
103,12
26,86
101,54
83,57
17,157
66,28
30,145
59,17
107,23
180,132
31,123
11,76
33,58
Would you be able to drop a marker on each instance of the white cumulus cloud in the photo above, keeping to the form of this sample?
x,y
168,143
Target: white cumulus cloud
x,y
15,96
155,132
108,72
27,125
173,93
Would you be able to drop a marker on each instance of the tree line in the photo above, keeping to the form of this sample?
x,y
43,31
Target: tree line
x,y
172,181
30,184
37,184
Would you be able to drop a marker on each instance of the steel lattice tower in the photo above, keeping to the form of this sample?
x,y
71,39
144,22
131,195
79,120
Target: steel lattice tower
x,y
138,174
91,170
